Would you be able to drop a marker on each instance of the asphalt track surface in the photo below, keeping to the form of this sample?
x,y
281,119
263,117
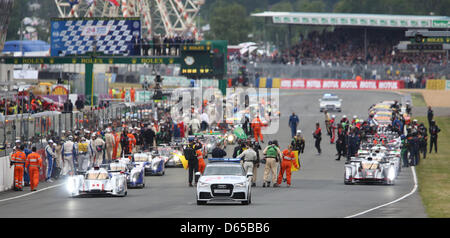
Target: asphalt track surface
x,y
317,190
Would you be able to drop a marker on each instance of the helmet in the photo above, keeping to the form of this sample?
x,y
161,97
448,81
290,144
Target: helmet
x,y
270,142
50,141
333,116
354,116
70,137
344,116
275,142
299,131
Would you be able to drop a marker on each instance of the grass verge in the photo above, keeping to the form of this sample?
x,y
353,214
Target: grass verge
x,y
418,100
434,173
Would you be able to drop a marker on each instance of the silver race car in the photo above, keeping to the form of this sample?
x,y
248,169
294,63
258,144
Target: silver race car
x,y
98,181
224,180
368,170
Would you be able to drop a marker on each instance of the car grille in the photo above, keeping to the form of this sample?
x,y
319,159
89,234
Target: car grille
x,y
204,195
216,187
239,195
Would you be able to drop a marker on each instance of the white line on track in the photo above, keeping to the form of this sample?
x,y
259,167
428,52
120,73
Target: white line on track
x,y
413,169
31,193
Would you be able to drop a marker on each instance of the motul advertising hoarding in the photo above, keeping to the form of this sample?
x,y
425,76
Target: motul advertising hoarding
x,y
341,84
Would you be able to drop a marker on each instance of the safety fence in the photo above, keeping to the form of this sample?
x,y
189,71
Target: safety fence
x,y
7,171
285,83
34,127
38,128
333,71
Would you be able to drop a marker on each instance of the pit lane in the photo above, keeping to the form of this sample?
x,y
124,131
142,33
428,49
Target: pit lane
x,y
317,189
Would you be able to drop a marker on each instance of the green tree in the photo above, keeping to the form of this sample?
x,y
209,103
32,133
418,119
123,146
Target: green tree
x,y
230,22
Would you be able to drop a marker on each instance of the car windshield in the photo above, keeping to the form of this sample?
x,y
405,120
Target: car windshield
x,y
97,176
330,99
223,170
140,158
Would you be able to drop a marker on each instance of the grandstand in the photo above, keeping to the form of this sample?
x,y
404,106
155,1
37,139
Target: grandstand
x,y
358,39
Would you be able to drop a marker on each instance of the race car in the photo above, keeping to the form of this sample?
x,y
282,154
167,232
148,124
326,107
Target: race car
x,y
224,180
330,102
368,170
157,164
98,181
134,172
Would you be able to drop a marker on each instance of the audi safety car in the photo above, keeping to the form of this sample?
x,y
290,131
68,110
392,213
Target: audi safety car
x,y
330,102
224,180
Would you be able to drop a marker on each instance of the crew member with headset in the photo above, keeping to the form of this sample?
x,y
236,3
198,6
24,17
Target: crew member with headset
x,y
191,156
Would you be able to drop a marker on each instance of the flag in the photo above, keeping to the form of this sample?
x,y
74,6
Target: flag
x,y
114,2
298,161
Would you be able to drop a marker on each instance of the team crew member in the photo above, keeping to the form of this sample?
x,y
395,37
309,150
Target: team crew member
x,y
50,154
298,142
18,159
341,142
332,128
99,145
69,156
249,157
83,155
218,152
256,127
286,165
191,157
272,153
201,161
434,130
318,137
256,147
110,143
33,163
293,123
116,145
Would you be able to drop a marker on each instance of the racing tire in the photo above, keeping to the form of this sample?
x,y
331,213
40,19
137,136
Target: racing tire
x,y
201,202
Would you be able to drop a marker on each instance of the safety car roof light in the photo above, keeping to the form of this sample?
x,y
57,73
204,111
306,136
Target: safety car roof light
x,y
217,160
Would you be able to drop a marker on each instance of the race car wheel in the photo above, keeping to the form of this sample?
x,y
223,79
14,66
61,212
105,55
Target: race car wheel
x,y
201,202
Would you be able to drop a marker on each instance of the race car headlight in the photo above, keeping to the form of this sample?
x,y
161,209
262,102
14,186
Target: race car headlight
x,y
240,185
70,185
391,174
230,138
200,184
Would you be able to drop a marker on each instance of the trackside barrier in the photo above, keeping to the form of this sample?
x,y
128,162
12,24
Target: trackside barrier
x,y
436,84
6,174
341,84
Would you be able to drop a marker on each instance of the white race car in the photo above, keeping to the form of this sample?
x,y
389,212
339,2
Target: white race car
x,y
368,170
224,180
98,181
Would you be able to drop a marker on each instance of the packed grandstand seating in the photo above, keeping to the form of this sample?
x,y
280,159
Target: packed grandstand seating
x,y
345,46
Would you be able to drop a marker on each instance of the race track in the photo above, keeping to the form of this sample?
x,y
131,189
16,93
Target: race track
x,y
318,189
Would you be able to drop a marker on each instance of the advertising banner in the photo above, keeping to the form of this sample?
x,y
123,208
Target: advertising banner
x,y
109,36
342,84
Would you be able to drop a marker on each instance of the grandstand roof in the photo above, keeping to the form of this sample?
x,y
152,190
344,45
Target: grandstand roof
x,y
351,19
